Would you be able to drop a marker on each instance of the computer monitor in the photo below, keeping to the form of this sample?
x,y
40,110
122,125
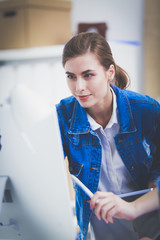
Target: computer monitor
x,y
36,204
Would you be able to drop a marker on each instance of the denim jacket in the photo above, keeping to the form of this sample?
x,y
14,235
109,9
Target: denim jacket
x,y
138,143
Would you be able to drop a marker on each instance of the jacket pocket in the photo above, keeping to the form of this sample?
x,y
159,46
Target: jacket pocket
x,y
75,168
79,141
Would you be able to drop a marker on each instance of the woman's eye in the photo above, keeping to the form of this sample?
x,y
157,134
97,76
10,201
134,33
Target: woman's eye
x,y
70,76
88,75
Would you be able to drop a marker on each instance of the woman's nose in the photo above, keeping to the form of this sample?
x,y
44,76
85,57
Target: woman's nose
x,y
80,85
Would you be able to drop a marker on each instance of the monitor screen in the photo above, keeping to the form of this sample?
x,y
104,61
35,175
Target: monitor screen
x,y
36,203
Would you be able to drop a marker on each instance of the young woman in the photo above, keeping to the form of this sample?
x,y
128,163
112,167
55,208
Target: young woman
x,y
110,135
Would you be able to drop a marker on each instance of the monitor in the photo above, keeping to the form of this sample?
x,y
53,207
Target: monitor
x,y
36,203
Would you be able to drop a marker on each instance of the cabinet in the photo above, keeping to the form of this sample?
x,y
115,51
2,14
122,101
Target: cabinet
x,y
31,23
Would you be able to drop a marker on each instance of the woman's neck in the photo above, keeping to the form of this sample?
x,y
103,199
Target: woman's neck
x,y
103,112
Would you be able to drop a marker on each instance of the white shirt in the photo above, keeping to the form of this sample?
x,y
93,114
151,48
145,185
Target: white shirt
x,y
114,177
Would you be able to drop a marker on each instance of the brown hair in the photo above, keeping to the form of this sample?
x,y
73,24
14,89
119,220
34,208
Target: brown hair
x,y
97,44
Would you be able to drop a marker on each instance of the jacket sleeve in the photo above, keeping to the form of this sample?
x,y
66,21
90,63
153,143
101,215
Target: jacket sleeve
x,y
155,171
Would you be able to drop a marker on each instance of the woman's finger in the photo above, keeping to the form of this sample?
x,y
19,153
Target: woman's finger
x,y
100,206
105,213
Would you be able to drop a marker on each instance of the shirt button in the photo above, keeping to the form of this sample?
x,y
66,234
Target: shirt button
x,y
132,168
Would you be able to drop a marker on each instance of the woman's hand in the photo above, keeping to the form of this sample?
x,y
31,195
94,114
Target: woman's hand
x,y
152,185
108,205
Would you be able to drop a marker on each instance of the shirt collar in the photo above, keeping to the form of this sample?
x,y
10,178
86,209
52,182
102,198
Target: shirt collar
x,y
113,120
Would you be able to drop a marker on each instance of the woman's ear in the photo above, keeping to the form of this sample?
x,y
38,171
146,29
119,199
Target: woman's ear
x,y
111,72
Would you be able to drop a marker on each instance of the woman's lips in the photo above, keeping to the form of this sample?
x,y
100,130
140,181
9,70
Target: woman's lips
x,y
83,97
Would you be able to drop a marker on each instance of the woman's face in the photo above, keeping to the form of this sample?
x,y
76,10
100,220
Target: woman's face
x,y
88,80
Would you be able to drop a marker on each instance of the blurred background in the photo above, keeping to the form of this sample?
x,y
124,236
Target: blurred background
x,y
33,32
32,37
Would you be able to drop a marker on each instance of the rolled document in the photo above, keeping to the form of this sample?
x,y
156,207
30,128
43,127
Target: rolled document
x,y
124,195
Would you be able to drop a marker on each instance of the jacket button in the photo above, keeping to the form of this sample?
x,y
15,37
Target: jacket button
x,y
132,168
71,169
120,140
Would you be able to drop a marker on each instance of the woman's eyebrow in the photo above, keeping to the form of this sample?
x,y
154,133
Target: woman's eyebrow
x,y
84,72
87,71
69,73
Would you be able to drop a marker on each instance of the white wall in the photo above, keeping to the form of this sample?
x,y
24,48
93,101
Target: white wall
x,y
123,17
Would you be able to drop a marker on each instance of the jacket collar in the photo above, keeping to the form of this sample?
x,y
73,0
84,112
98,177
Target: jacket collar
x,y
81,125
125,116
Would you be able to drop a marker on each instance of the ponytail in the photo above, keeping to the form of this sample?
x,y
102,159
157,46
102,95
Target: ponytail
x,y
121,78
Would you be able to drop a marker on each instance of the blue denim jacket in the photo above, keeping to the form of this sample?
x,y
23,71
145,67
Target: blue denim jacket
x,y
138,143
